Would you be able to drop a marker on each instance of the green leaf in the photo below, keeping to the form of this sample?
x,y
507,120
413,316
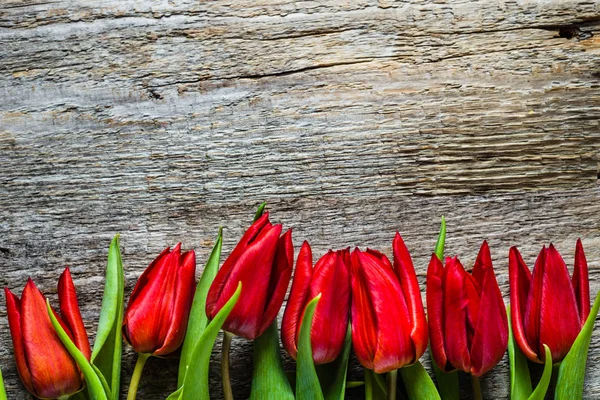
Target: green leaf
x,y
520,380
198,319
195,384
176,395
418,383
105,385
268,375
307,381
106,354
2,389
540,391
447,382
375,386
571,374
333,375
353,384
260,210
94,384
439,246
81,395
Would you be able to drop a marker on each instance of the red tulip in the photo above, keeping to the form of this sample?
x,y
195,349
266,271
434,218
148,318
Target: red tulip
x,y
405,271
330,278
548,307
467,319
159,306
262,261
388,329
44,364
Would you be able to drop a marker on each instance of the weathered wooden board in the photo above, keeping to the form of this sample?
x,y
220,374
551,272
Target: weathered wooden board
x,y
163,120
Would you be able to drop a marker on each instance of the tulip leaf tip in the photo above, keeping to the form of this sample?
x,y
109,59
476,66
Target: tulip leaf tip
x,y
307,381
441,241
2,389
260,210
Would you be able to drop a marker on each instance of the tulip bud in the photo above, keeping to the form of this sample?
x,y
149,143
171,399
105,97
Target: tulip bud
x,y
548,307
388,330
157,314
44,364
262,261
331,278
467,318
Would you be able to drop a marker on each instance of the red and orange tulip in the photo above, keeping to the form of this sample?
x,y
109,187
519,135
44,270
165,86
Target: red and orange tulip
x,y
548,307
156,317
263,261
388,321
44,364
331,278
467,319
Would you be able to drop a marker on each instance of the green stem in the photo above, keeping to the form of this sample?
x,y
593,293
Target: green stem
x,y
392,380
227,392
137,374
476,388
368,385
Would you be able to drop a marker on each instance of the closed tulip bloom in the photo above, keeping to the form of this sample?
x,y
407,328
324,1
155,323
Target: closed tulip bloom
x,y
468,326
548,307
44,364
330,278
387,331
156,317
262,261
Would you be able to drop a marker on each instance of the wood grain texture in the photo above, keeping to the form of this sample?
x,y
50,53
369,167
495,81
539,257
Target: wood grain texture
x,y
163,120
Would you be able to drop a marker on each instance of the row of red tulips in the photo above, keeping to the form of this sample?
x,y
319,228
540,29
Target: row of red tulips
x,y
347,294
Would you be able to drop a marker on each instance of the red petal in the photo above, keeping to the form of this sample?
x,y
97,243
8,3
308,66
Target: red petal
x,y
297,300
69,310
253,268
491,333
216,288
13,308
331,278
435,312
280,280
179,312
364,321
405,271
383,295
53,371
519,282
581,283
533,307
455,315
473,293
146,318
482,264
559,316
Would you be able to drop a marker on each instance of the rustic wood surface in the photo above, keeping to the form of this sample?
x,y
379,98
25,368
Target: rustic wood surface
x,y
163,120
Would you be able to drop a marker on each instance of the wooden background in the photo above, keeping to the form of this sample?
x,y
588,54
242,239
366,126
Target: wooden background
x,y
163,120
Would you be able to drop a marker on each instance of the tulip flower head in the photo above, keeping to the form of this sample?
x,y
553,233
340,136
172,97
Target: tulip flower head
x,y
331,278
157,314
388,322
45,366
263,261
547,306
467,319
